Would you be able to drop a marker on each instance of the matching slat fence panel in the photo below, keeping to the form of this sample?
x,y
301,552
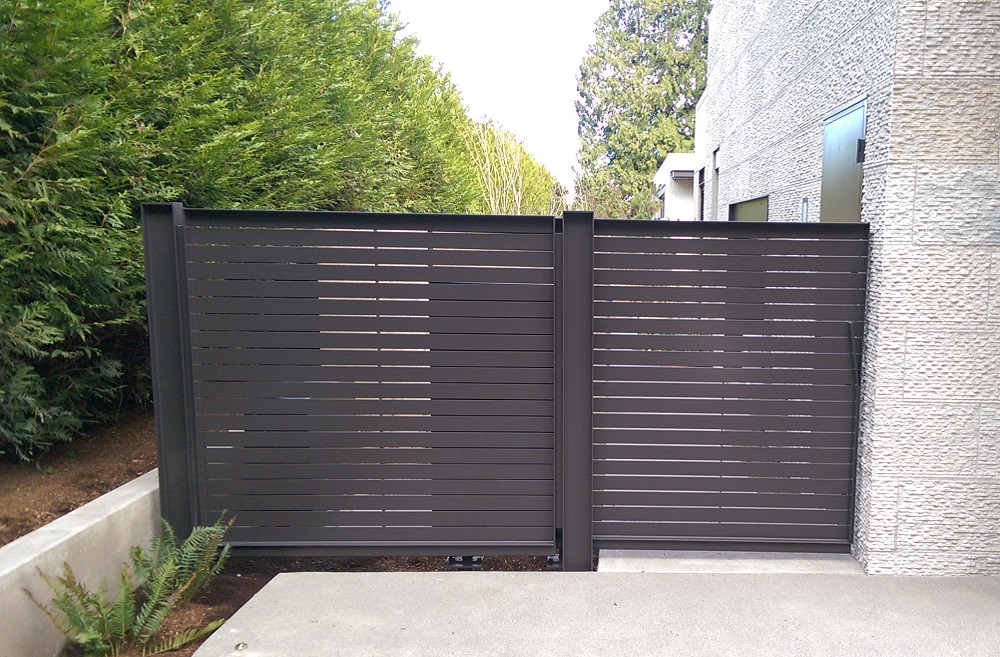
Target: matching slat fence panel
x,y
379,382
385,383
725,383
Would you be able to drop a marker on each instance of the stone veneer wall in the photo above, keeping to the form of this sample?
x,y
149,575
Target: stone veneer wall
x,y
929,449
929,461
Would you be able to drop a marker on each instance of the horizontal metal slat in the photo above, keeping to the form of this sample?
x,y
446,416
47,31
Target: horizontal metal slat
x,y
437,374
364,407
458,439
728,294
371,256
384,359
237,503
328,340
738,499
755,407
329,486
610,371
379,455
740,422
336,272
731,262
301,323
321,390
833,345
723,390
320,235
390,535
743,454
701,514
731,531
723,359
723,469
706,230
718,278
430,471
372,423
400,519
366,221
775,327
504,309
366,290
735,437
731,246
745,311
617,482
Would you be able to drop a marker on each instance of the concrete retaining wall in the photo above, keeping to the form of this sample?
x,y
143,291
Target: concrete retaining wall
x,y
94,540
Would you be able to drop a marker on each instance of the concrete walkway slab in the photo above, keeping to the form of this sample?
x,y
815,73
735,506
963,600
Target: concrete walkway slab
x,y
677,561
613,614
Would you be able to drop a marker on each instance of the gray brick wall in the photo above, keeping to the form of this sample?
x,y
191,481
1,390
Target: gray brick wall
x,y
929,452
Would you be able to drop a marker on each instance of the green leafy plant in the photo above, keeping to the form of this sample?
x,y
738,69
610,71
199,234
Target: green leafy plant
x,y
150,588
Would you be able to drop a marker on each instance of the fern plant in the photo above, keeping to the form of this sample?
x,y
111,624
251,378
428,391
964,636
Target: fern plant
x,y
150,588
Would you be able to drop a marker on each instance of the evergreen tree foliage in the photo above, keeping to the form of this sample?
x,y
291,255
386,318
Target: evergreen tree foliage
x,y
638,85
105,104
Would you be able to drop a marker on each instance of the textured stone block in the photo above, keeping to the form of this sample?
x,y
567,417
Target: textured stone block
x,y
932,283
994,313
887,204
958,205
956,32
949,516
875,512
929,439
910,19
927,126
953,365
988,453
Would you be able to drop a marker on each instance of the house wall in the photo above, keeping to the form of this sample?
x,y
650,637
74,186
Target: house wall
x,y
678,201
928,497
929,500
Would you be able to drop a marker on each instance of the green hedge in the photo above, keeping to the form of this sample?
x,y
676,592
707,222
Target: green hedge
x,y
215,103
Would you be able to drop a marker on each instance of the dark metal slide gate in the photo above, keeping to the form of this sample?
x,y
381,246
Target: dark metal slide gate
x,y
726,360
428,384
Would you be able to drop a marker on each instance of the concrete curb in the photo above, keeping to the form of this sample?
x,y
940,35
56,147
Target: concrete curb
x,y
94,540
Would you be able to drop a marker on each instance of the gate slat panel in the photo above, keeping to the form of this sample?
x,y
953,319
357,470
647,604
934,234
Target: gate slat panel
x,y
725,382
365,380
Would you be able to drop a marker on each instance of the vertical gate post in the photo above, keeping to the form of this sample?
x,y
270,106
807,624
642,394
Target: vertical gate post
x,y
575,283
160,229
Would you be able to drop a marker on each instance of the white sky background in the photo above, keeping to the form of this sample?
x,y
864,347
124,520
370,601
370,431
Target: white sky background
x,y
514,61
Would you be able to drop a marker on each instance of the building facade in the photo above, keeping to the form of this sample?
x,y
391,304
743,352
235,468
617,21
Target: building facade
x,y
887,112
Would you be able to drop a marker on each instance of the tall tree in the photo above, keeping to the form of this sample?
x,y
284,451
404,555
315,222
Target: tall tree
x,y
511,181
638,86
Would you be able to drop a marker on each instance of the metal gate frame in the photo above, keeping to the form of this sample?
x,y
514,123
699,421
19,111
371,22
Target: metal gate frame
x,y
573,312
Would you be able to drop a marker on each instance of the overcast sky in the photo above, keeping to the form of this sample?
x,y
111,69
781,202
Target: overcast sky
x,y
514,61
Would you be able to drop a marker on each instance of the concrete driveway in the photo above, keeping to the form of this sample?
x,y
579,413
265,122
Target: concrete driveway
x,y
610,614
